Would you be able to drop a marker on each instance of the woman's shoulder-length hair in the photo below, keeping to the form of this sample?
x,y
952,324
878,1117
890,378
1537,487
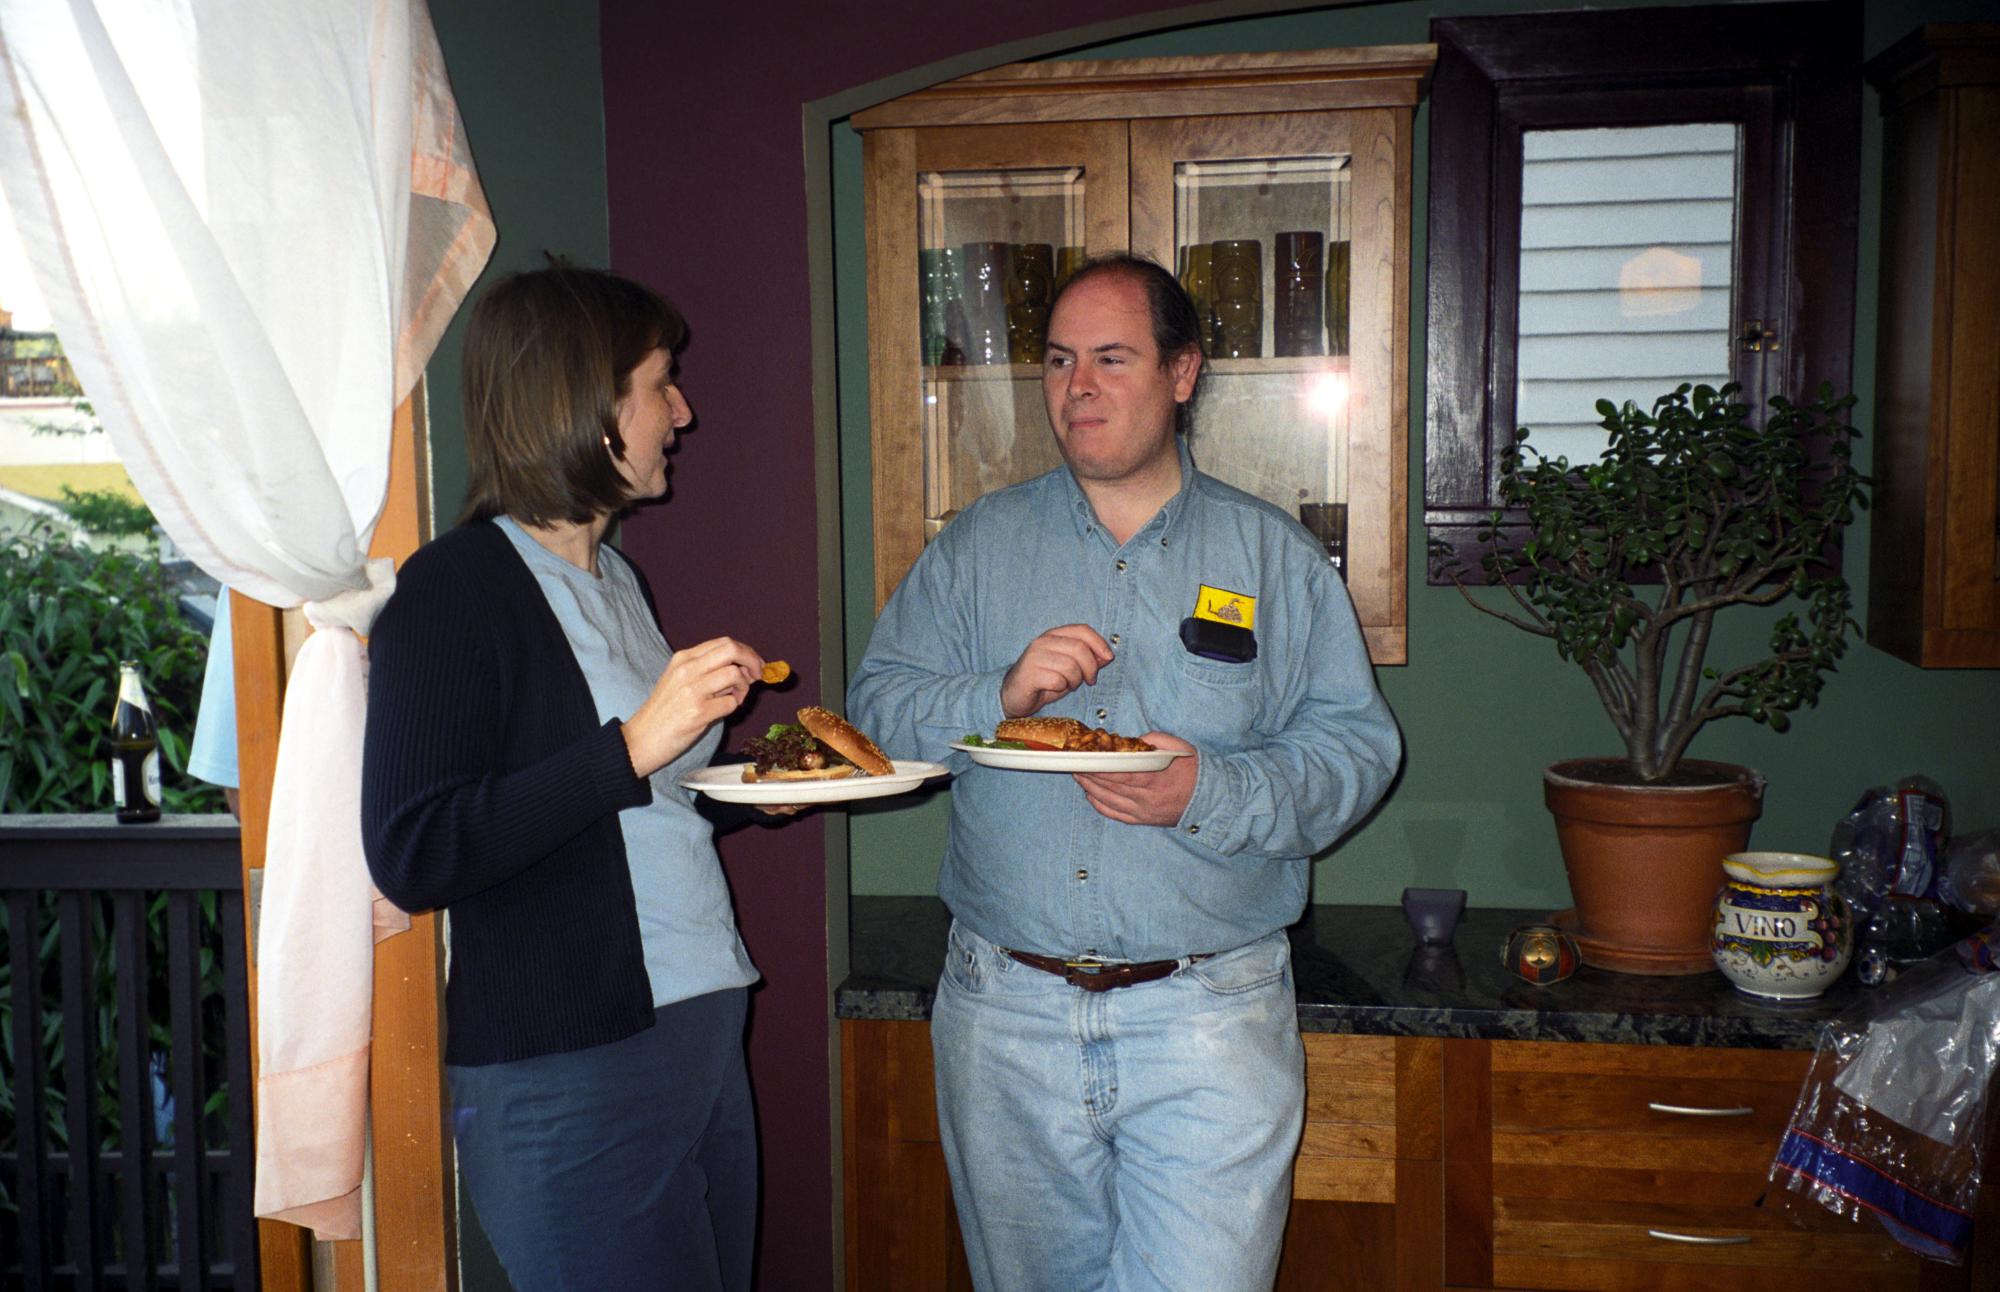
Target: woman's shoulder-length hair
x,y
548,355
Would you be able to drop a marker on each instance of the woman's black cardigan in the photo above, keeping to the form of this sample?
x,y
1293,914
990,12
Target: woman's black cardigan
x,y
490,787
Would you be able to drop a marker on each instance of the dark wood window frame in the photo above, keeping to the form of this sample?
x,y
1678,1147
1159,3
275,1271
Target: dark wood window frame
x,y
1788,74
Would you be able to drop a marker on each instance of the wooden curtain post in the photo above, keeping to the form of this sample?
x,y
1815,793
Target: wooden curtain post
x,y
415,1213
416,1240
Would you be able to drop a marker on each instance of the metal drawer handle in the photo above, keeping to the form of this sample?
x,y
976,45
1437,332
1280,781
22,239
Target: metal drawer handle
x,y
1681,1111
1699,1240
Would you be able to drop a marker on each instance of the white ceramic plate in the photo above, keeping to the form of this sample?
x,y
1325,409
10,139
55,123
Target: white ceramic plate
x,y
727,785
1069,760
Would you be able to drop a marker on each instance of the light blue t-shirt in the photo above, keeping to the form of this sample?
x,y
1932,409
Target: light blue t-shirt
x,y
685,922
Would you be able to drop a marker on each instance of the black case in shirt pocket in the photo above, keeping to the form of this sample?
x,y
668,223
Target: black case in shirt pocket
x,y
1224,643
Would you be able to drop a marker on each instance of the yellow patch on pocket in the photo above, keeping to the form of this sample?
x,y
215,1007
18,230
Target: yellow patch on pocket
x,y
1225,607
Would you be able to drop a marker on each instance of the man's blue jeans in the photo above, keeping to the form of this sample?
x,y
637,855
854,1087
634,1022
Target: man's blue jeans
x,y
1134,1140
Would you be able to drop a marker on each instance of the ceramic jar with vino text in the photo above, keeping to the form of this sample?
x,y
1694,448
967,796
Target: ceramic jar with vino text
x,y
1781,932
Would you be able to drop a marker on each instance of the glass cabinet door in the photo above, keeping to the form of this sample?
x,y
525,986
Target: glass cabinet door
x,y
1281,230
1261,244
997,219
992,246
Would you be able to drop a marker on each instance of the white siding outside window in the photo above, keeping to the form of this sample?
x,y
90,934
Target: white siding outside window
x,y
1627,261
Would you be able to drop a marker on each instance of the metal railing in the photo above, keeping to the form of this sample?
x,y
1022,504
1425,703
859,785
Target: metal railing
x,y
125,980
33,366
38,377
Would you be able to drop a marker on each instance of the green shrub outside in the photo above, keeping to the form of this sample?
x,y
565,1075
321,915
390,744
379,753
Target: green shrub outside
x,y
68,615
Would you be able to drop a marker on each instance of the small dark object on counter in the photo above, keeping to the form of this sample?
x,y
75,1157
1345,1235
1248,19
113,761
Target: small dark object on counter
x,y
1433,912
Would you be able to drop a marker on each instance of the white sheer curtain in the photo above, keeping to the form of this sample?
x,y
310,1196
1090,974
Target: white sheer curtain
x,y
251,222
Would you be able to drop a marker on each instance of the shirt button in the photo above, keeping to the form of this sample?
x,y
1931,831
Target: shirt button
x,y
1114,639
1121,566
1163,542
1102,714
1194,829
1091,952
1082,875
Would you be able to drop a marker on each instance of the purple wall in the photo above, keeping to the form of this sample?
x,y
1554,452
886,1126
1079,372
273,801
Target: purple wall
x,y
708,203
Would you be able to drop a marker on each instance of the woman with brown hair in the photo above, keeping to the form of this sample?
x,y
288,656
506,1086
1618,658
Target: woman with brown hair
x,y
527,728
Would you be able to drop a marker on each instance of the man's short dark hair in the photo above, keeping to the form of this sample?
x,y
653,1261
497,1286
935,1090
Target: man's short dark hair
x,y
1176,325
548,355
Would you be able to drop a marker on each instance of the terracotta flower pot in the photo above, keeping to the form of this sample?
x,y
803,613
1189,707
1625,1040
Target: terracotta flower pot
x,y
1645,861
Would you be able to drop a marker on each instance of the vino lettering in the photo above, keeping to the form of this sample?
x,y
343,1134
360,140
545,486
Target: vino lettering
x,y
1771,926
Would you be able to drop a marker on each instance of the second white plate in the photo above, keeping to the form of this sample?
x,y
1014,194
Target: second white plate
x,y
1069,760
726,784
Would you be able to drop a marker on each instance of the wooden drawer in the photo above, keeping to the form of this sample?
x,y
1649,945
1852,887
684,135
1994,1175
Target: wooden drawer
x,y
1618,1166
1638,1122
1588,1245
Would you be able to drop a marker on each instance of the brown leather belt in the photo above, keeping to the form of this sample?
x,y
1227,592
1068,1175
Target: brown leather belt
x,y
1098,975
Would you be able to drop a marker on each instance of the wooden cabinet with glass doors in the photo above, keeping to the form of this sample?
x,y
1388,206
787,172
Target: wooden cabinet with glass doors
x,y
1277,186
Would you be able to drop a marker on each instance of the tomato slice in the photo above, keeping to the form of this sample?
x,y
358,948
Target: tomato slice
x,y
1036,744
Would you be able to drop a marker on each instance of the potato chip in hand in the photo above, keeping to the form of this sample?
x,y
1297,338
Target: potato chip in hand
x,y
776,671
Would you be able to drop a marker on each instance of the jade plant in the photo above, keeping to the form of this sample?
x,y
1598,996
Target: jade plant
x,y
1693,508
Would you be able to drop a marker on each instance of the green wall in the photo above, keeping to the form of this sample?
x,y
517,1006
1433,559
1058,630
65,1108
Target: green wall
x,y
529,83
1484,707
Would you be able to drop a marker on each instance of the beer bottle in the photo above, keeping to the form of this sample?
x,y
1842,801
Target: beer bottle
x,y
135,750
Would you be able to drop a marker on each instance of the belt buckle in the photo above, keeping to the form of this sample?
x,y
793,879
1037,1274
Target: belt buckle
x,y
1090,975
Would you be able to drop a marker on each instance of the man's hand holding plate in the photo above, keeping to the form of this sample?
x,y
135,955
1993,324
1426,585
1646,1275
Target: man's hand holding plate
x,y
1146,798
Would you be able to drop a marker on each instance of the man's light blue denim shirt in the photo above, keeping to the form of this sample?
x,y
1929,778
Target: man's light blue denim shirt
x,y
1295,746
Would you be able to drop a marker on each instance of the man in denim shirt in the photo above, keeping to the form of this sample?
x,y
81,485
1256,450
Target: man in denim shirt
x,y
1120,1077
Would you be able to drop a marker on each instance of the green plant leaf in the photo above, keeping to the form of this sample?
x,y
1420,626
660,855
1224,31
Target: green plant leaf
x,y
1734,508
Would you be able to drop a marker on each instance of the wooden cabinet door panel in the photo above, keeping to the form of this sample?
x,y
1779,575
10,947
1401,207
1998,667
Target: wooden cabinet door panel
x,y
1351,1079
1934,567
892,162
1363,1093
901,1232
1376,143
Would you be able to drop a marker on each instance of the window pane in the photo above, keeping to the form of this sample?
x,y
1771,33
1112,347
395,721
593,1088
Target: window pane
x,y
1627,259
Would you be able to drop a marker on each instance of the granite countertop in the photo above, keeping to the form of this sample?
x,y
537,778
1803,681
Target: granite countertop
x,y
1360,969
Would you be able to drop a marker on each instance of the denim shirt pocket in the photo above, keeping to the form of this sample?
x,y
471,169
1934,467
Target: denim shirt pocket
x,y
1217,703
1247,968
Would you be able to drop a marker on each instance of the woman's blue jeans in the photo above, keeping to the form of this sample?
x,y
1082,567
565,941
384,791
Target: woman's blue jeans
x,y
631,1165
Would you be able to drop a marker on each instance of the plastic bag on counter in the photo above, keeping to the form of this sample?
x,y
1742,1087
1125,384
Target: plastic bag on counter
x,y
1890,847
1970,879
1890,1126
